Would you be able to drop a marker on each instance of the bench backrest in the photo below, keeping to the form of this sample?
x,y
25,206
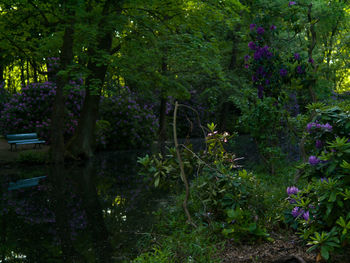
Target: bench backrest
x,y
23,136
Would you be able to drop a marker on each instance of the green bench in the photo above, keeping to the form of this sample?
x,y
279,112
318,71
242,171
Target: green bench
x,y
23,138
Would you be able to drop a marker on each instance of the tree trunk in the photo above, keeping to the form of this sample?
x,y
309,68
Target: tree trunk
x,y
23,80
57,128
35,74
28,77
82,143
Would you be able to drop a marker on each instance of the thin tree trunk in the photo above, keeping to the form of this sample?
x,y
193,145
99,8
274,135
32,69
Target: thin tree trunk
x,y
35,74
27,70
23,80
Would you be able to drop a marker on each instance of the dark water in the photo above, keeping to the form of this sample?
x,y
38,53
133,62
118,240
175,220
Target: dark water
x,y
98,211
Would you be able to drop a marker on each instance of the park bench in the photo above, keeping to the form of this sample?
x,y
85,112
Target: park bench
x,y
23,138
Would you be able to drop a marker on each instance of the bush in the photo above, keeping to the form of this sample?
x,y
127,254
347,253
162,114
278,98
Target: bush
x,y
30,110
227,200
133,125
321,210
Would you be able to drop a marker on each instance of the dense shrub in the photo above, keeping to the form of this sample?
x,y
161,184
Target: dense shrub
x,y
132,124
321,210
30,110
222,197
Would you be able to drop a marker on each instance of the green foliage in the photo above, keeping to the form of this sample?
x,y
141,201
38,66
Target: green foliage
x,y
164,171
132,123
176,241
321,208
263,121
227,200
234,200
324,242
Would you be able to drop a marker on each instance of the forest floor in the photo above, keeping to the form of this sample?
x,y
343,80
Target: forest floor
x,y
284,249
8,156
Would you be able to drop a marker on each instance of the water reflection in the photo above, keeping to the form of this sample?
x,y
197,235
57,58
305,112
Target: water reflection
x,y
83,213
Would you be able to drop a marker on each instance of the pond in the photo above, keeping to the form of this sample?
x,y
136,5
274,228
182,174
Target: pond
x,y
94,212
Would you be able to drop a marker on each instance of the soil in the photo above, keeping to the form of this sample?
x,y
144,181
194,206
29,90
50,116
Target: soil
x,y
284,249
7,156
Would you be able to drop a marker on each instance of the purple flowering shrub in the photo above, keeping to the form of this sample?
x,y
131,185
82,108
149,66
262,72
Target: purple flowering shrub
x,y
263,63
30,110
132,124
328,142
323,206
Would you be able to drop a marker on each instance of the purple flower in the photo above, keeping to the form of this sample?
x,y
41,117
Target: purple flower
x,y
252,26
313,160
324,179
260,30
291,3
296,56
273,27
327,127
292,190
258,54
246,57
283,72
296,211
300,70
260,70
311,60
246,65
252,45
318,144
306,215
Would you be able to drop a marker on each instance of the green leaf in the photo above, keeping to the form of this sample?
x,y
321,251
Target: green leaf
x,y
333,197
156,182
325,252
